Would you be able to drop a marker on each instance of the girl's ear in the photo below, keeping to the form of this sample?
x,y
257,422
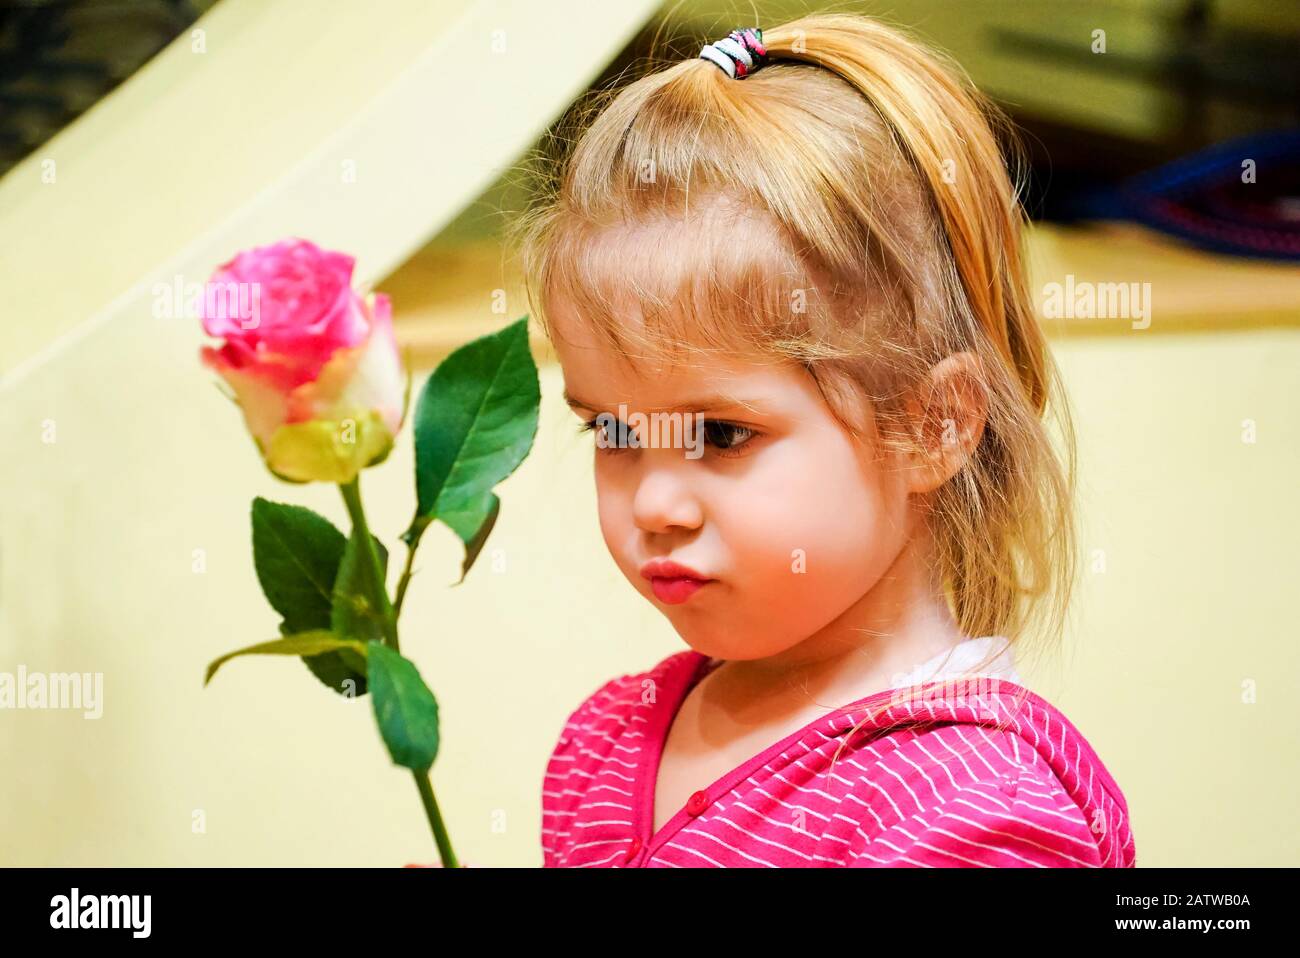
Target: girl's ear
x,y
948,411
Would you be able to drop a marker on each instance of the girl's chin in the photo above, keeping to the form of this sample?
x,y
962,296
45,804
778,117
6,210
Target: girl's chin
x,y
721,641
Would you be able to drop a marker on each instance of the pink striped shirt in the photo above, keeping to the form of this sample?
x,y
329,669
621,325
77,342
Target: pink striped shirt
x,y
983,774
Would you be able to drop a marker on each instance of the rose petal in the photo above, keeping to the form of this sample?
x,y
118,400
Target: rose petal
x,y
363,378
263,402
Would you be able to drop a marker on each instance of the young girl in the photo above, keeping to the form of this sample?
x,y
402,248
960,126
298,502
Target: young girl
x,y
801,252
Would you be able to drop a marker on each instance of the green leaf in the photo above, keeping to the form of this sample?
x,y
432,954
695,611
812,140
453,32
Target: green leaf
x,y
297,554
405,710
354,614
310,643
475,422
474,545
342,671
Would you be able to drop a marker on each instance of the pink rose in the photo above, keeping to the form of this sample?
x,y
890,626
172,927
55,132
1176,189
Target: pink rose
x,y
314,366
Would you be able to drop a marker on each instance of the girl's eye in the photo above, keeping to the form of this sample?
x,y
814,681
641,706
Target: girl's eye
x,y
607,443
726,436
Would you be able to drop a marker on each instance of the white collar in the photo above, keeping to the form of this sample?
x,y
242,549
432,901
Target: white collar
x,y
962,658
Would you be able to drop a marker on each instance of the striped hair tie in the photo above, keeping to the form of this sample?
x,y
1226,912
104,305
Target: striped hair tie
x,y
738,54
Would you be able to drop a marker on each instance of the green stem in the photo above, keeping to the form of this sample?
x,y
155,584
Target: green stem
x,y
378,588
440,837
406,572
379,593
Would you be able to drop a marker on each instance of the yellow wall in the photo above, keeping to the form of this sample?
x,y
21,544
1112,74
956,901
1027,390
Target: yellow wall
x,y
98,531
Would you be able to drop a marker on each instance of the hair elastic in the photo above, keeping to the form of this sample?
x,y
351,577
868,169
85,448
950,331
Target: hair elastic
x,y
738,54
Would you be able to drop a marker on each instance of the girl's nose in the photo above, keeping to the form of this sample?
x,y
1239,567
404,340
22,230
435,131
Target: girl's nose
x,y
664,500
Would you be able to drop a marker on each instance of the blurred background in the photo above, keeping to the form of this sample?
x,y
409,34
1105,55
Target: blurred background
x,y
143,143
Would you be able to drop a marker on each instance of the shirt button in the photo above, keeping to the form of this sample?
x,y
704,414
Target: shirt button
x,y
697,803
1008,786
633,849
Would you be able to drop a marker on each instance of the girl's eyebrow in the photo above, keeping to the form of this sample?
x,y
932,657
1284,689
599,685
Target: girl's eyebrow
x,y
705,404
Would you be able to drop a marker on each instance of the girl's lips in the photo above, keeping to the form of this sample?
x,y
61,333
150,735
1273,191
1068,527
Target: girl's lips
x,y
677,589
673,582
668,569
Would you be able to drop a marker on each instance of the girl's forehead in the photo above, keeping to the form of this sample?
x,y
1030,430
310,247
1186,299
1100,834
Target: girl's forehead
x,y
672,286
597,377
660,369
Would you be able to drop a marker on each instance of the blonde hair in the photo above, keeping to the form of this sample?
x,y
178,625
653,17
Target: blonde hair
x,y
846,206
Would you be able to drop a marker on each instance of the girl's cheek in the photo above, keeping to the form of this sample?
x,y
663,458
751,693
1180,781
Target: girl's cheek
x,y
614,512
811,532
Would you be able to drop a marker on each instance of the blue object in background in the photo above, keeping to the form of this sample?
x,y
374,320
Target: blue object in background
x,y
1241,197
